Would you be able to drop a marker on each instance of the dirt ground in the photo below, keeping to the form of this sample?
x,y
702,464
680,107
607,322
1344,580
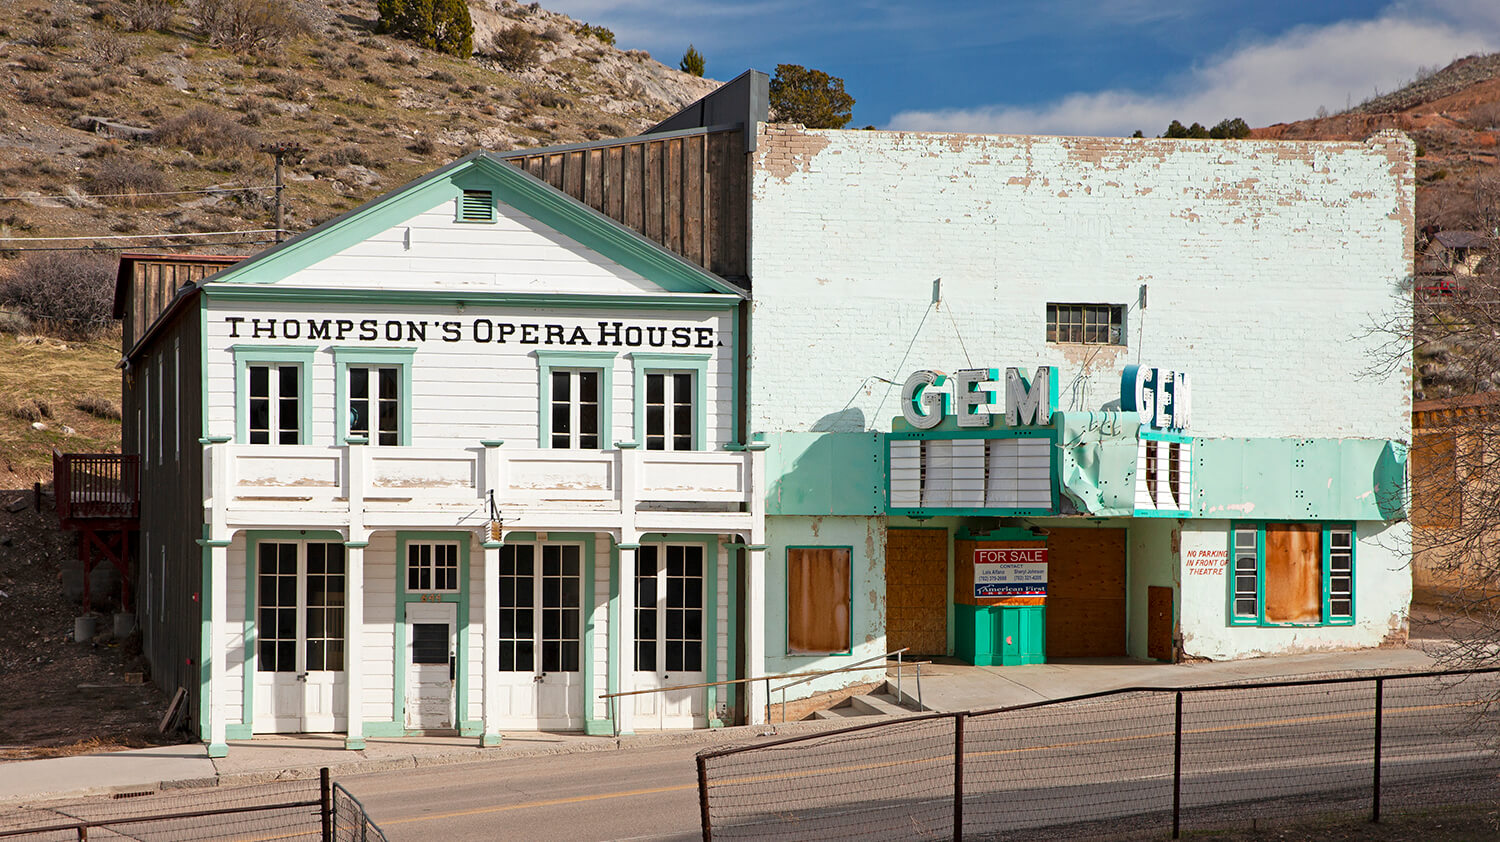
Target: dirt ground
x,y
58,697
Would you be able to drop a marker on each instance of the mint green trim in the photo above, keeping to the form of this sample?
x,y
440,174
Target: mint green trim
x,y
563,301
205,641
626,445
354,743
471,728
252,592
786,597
822,474
998,433
732,691
612,664
1325,547
343,357
356,545
216,750
695,363
598,727
601,361
1299,480
237,731
378,729
1148,434
246,355
736,432
458,210
403,598
628,546
203,372
490,740
511,186
1004,533
206,440
209,542
492,545
491,442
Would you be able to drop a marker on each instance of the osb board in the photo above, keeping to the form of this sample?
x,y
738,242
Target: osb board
x,y
1085,593
916,590
1293,578
818,600
963,572
1159,623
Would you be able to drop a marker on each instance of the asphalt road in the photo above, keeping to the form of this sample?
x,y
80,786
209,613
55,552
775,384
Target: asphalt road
x,y
1107,763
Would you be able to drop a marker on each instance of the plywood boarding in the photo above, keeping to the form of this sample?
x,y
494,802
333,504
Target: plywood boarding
x,y
1293,573
1159,623
817,599
963,572
685,192
916,590
1085,593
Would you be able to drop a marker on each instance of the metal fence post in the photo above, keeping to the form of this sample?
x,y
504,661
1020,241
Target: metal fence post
x,y
958,775
1177,771
1379,711
708,833
325,793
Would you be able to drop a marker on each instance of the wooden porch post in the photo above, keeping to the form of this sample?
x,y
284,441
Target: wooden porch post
x,y
354,632
490,649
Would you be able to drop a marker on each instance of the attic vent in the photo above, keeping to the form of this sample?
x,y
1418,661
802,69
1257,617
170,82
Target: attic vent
x,y
476,206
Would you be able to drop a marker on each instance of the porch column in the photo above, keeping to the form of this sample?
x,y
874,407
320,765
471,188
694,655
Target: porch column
x,y
755,632
491,646
623,632
354,633
218,647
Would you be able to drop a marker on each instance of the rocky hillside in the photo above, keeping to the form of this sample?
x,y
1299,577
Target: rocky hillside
x,y
90,107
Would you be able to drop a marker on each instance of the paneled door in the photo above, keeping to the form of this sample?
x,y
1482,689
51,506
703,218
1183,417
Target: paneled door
x,y
670,595
540,636
299,637
431,665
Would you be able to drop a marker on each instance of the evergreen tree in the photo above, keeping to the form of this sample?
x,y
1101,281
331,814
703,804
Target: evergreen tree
x,y
442,25
810,97
692,62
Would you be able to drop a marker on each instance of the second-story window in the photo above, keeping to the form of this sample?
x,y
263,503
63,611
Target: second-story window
x,y
1086,324
575,408
274,403
375,403
669,410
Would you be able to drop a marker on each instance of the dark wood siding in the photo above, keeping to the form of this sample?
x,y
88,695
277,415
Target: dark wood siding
x,y
685,192
169,603
153,283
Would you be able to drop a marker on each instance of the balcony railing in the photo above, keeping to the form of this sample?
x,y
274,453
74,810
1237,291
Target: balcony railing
x,y
96,486
253,485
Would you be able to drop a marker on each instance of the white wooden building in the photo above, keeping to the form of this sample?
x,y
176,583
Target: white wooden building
x,y
466,458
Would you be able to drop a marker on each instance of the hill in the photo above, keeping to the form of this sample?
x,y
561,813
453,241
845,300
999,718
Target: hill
x,y
89,107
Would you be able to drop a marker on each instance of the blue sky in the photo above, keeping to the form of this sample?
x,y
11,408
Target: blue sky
x,y
1104,67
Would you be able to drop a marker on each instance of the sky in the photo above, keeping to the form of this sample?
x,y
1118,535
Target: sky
x,y
1106,67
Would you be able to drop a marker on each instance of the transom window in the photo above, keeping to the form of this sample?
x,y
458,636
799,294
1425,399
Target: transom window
x,y
431,568
274,403
1292,574
575,408
1087,324
669,410
375,403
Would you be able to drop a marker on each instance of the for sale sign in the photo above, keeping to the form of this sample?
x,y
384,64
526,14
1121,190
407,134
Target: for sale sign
x,y
1010,572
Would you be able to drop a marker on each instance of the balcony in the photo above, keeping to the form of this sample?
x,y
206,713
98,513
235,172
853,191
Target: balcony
x,y
96,487
625,491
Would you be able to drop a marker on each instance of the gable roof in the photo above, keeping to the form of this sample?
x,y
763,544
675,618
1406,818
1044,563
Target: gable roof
x,y
516,188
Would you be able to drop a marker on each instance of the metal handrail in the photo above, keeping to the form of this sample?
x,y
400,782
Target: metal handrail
x,y
809,675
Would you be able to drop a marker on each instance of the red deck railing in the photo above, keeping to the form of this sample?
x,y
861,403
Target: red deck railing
x,y
97,486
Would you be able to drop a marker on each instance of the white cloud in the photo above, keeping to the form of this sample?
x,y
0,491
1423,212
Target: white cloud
x,y
1270,81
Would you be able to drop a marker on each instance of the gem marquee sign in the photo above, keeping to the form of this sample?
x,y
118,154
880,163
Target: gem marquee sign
x,y
971,395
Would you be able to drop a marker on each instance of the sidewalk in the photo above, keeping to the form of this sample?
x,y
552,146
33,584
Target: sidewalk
x,y
944,687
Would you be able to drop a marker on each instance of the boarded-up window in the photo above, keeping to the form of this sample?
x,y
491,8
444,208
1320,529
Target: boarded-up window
x,y
817,600
1435,493
1293,573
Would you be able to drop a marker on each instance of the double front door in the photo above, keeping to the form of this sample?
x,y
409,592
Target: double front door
x,y
540,636
299,637
670,617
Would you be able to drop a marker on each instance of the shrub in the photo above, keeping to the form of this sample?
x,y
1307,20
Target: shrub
x,y
72,291
515,48
99,406
1485,116
147,15
36,64
205,129
52,34
692,62
125,179
13,322
442,25
245,26
553,34
422,145
106,48
598,33
351,154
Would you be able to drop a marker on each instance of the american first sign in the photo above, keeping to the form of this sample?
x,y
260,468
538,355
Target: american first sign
x,y
1010,572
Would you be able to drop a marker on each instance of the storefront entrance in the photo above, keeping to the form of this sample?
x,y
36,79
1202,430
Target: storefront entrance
x,y
916,590
299,627
541,682
431,665
1085,593
669,635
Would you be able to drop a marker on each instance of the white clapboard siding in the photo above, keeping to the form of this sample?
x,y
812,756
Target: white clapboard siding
x,y
379,656
467,391
433,251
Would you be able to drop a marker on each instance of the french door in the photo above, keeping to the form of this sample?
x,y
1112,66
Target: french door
x,y
299,627
540,636
669,635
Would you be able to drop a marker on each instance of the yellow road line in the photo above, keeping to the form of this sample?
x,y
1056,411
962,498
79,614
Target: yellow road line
x,y
576,799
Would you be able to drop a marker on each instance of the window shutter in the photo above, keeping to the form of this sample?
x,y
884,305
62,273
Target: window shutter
x,y
476,206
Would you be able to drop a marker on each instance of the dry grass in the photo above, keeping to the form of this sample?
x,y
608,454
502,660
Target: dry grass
x,y
37,372
99,406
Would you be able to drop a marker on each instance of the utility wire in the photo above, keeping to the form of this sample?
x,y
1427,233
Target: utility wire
x,y
138,236
126,247
132,195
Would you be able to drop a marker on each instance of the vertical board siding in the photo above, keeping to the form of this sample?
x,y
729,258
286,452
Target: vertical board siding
x,y
685,193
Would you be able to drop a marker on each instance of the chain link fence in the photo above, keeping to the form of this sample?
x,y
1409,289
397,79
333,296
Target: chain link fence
x,y
311,810
1143,759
